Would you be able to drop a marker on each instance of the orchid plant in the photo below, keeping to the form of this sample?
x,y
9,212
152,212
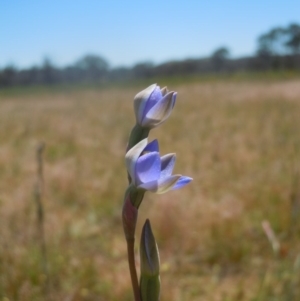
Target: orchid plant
x,y
147,171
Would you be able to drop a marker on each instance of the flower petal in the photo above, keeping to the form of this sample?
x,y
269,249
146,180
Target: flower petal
x,y
140,101
167,165
166,184
131,157
174,99
147,168
152,146
162,185
150,186
164,91
182,181
155,96
160,111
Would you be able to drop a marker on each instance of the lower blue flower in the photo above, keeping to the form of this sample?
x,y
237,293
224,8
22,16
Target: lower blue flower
x,y
149,171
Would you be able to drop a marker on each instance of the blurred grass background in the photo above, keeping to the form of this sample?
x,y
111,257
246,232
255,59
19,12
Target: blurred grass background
x,y
239,138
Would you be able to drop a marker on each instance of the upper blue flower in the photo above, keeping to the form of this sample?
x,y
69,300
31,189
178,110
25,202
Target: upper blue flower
x,y
149,171
153,106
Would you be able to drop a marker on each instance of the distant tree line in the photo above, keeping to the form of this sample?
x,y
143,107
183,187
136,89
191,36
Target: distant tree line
x,y
277,49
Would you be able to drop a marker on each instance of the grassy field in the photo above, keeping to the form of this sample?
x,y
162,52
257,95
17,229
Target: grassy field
x,y
238,139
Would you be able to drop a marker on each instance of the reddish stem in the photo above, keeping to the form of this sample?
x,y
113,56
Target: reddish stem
x,y
133,274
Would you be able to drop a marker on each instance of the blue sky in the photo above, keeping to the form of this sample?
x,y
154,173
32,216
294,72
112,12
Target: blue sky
x,y
126,32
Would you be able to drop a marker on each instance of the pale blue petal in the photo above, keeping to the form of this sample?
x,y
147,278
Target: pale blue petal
x,y
174,99
160,111
166,184
182,181
164,91
152,146
162,185
155,96
132,156
149,186
167,165
147,168
140,102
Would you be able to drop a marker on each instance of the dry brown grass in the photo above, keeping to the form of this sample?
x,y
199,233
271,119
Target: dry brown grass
x,y
239,141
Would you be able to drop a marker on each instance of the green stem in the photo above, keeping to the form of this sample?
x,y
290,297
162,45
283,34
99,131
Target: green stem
x,y
137,196
137,134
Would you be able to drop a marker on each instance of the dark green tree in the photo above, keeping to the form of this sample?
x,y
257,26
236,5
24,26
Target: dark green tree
x,y
219,58
94,67
293,38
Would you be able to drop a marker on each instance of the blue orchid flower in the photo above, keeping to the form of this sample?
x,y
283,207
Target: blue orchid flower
x,y
149,171
153,106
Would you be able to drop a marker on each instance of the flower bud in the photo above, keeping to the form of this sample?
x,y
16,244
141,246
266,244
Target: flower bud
x,y
150,280
153,106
